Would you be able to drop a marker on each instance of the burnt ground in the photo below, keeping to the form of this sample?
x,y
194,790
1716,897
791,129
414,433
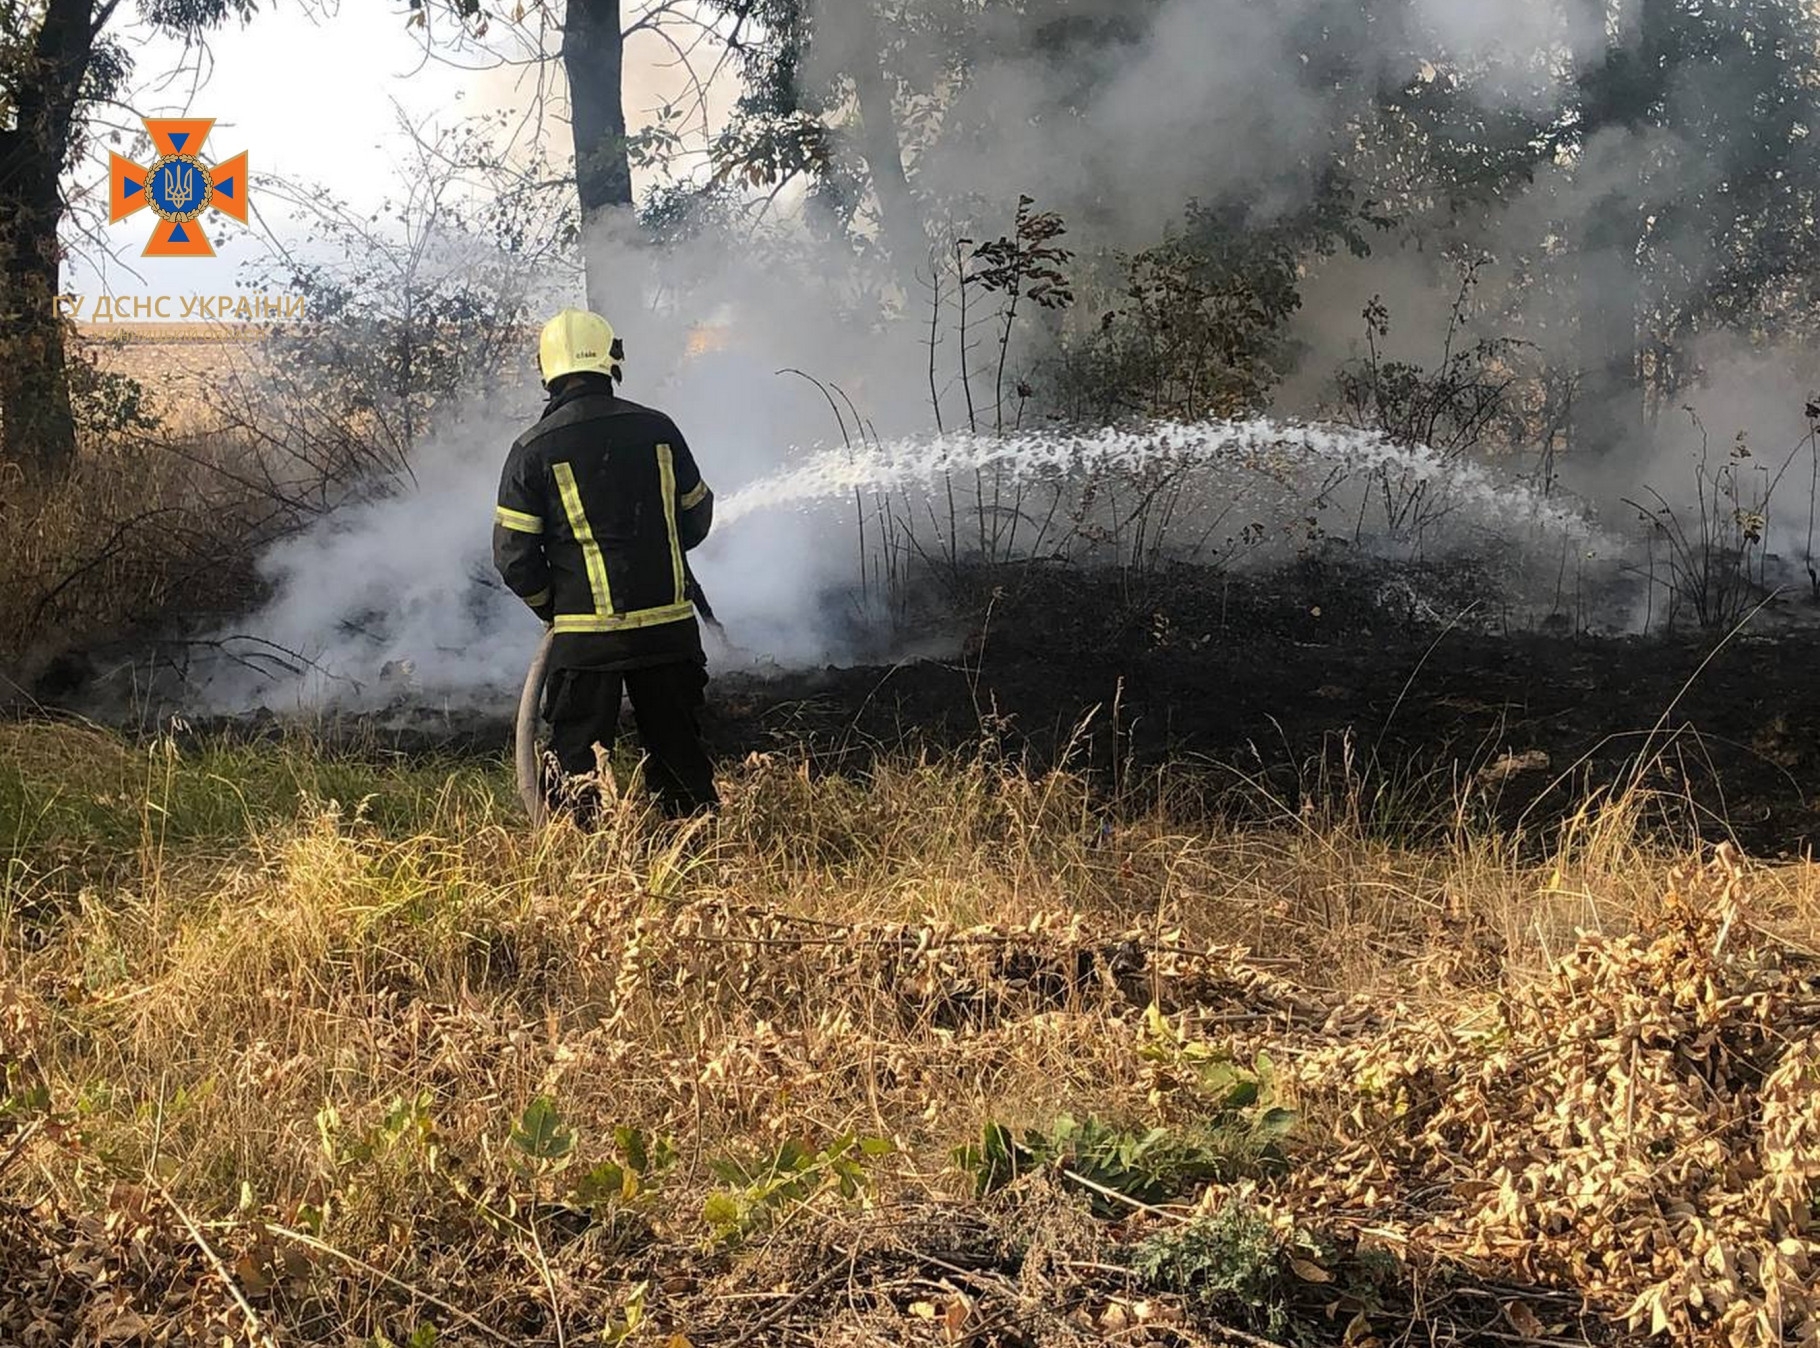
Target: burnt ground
x,y
1302,686
1406,689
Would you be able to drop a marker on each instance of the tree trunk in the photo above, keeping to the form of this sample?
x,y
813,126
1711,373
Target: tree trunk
x,y
1608,415
899,219
37,430
1618,87
593,59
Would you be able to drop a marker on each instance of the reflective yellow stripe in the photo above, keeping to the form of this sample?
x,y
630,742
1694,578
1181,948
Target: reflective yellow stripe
x,y
537,600
584,535
695,497
666,483
619,622
518,521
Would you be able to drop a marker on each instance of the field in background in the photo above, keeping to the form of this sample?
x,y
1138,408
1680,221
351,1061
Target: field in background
x,y
176,363
311,1046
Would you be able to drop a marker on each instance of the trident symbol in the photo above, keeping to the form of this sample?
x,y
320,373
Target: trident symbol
x,y
178,187
180,184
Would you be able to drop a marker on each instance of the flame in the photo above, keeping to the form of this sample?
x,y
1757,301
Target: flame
x,y
706,337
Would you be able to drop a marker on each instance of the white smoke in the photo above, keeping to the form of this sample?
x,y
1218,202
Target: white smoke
x,y
395,597
1210,103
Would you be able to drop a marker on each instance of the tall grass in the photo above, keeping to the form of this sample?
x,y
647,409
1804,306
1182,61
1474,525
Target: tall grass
x,y
286,987
142,528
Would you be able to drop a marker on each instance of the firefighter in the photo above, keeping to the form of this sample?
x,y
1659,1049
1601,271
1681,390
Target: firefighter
x,y
598,503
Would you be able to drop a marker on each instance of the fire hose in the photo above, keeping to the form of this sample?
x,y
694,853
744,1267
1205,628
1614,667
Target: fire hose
x,y
524,739
525,755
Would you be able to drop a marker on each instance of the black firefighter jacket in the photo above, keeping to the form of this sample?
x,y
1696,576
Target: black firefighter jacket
x,y
597,504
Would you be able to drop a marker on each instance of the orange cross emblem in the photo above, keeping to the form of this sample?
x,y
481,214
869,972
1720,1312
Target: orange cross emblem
x,y
178,187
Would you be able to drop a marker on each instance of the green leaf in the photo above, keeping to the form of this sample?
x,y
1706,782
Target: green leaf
x,y
605,1183
998,1143
618,1331
876,1146
996,1161
1218,1077
721,1211
424,1336
727,1170
1278,1120
631,1142
541,1133
1156,1023
1243,1095
663,1155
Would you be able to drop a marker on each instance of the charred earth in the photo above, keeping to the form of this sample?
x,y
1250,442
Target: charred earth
x,y
1414,689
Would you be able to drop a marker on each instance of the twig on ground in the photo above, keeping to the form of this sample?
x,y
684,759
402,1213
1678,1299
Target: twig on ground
x,y
549,1278
254,1323
18,1148
1134,1204
808,1290
352,1261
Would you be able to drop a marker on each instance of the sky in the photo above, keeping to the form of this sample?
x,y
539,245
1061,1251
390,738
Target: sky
x,y
310,97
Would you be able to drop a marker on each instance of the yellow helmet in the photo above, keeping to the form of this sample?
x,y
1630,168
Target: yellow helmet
x,y
576,342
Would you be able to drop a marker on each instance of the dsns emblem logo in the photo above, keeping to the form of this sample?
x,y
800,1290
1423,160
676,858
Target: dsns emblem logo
x,y
178,187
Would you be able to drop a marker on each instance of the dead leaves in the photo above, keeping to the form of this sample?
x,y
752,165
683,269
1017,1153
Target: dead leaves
x,y
949,1315
1642,1127
127,1275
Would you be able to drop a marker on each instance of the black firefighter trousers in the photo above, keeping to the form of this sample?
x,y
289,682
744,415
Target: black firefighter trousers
x,y
582,707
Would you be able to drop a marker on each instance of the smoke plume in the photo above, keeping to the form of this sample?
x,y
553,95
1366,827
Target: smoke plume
x,y
1210,100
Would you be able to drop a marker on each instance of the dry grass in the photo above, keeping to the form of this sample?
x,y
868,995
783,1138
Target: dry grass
x,y
271,992
1640,1128
141,528
160,522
